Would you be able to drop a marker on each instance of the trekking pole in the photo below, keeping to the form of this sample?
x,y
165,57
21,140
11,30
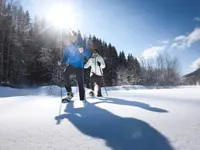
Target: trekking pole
x,y
60,108
76,86
103,80
50,87
83,76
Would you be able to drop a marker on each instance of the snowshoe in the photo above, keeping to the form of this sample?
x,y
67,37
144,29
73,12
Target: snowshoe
x,y
91,94
99,95
68,98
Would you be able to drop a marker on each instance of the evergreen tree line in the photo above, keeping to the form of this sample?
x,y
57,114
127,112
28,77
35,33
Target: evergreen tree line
x,y
30,51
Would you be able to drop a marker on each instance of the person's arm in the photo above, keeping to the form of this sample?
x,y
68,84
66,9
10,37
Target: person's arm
x,y
101,62
88,64
65,56
86,52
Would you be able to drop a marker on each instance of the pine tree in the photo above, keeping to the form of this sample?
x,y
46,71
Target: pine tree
x,y
30,49
122,59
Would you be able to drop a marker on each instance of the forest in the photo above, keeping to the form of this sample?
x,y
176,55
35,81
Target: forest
x,y
30,50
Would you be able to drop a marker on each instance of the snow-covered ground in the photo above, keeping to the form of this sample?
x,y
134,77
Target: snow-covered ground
x,y
130,118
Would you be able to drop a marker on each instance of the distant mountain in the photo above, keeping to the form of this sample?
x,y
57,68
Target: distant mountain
x,y
192,78
195,73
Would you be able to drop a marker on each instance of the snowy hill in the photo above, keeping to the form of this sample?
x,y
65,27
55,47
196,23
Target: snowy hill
x,y
130,118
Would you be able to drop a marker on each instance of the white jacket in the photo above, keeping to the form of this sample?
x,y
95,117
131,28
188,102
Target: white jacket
x,y
94,66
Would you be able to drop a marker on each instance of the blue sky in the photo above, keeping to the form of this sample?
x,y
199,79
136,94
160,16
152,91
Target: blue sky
x,y
141,27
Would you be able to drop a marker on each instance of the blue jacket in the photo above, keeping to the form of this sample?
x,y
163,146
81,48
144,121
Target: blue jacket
x,y
73,57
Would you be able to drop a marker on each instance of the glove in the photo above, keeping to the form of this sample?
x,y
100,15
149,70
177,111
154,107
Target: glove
x,y
99,64
59,63
81,49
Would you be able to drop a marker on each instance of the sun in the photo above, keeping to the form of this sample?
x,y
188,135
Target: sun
x,y
61,16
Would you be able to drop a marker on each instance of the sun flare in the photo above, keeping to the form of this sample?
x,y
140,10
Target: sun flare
x,y
61,16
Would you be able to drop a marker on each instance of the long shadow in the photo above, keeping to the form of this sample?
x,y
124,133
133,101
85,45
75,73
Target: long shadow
x,y
168,98
119,133
131,103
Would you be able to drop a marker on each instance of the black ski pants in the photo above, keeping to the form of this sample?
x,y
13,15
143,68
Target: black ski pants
x,y
98,80
79,72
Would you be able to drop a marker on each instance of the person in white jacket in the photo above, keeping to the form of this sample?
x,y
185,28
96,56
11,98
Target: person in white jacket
x,y
97,64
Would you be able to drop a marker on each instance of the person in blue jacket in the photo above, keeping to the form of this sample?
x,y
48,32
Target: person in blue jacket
x,y
73,58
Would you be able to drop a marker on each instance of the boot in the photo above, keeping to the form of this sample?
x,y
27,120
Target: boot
x,y
68,98
99,93
91,93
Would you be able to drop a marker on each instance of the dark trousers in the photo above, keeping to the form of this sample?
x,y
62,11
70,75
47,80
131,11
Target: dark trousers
x,y
98,80
79,72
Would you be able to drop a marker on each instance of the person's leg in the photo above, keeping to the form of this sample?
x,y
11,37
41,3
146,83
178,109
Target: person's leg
x,y
92,82
80,79
69,70
99,85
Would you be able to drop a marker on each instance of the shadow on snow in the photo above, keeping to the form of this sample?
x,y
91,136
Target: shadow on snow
x,y
119,133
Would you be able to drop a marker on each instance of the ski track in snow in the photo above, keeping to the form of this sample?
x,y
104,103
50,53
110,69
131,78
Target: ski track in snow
x,y
128,119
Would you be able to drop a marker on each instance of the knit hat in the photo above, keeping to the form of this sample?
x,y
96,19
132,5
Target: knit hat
x,y
70,35
95,51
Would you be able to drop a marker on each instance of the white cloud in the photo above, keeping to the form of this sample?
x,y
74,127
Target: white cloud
x,y
174,45
179,45
180,42
180,38
183,41
193,37
152,52
197,19
165,42
196,63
